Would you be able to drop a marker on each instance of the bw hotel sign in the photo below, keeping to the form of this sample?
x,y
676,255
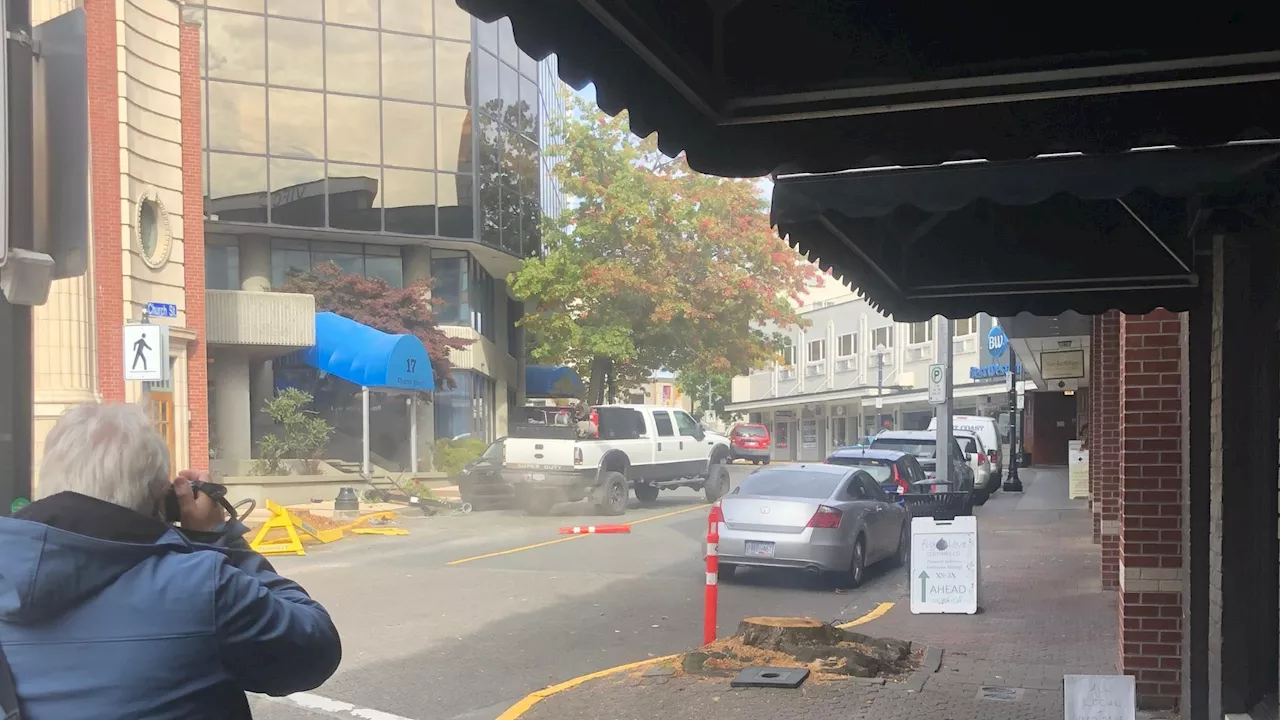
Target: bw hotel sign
x,y
997,346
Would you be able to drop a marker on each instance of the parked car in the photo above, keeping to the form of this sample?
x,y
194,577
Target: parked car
x,y
641,447
987,430
481,483
897,472
923,444
984,480
749,441
828,519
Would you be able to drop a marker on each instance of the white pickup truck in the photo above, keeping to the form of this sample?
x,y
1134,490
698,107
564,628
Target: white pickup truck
x,y
645,447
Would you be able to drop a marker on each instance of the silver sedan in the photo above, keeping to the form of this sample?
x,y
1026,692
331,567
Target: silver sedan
x,y
822,518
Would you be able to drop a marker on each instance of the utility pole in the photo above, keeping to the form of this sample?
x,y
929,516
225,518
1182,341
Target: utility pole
x,y
880,351
1013,483
944,436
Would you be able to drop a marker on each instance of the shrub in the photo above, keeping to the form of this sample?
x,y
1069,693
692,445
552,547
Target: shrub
x,y
305,435
451,455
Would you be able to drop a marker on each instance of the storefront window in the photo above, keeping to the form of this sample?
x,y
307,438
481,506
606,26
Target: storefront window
x,y
222,264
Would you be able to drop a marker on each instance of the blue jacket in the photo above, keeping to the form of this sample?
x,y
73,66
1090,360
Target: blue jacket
x,y
106,614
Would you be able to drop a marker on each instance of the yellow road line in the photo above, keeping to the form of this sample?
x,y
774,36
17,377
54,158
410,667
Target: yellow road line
x,y
533,698
566,539
877,611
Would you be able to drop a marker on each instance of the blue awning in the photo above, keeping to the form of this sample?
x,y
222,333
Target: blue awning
x,y
547,381
367,357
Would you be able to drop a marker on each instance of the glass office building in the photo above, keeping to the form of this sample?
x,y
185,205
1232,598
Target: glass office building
x,y
399,139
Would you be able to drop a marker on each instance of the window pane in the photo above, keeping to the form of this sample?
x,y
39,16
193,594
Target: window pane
x,y
355,197
452,21
237,117
530,200
387,267
453,139
237,187
489,182
308,9
286,259
409,134
410,199
407,67
487,36
509,87
351,60
349,257
452,73
352,125
454,206
236,47
411,16
352,12
297,123
487,84
507,49
528,66
295,51
247,5
222,267
450,278
509,189
297,193
528,118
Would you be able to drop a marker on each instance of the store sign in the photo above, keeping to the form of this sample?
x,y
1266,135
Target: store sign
x,y
784,415
992,371
1062,365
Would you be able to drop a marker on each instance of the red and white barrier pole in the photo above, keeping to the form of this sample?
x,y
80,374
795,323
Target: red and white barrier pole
x,y
711,597
596,530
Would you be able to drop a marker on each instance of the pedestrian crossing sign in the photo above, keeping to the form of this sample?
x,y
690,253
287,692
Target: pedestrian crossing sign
x,y
146,352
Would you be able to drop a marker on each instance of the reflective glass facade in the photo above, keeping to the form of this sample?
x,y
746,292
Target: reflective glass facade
x,y
380,116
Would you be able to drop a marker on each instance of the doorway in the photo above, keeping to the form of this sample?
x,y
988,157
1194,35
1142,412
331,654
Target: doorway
x,y
161,410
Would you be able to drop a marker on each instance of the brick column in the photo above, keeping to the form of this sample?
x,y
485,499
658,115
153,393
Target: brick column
x,y
1095,429
193,244
1107,356
107,254
1151,506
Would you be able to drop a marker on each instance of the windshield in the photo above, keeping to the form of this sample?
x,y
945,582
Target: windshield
x,y
790,483
921,448
881,470
749,431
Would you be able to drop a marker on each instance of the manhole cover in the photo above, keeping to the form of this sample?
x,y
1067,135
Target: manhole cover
x,y
773,677
1002,694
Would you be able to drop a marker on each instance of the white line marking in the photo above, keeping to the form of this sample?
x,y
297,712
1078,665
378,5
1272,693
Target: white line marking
x,y
309,701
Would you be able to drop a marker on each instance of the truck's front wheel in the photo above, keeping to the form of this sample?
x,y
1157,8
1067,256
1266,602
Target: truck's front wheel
x,y
646,493
613,494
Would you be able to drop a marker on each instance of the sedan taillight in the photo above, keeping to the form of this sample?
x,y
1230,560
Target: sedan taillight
x,y
993,457
826,517
902,484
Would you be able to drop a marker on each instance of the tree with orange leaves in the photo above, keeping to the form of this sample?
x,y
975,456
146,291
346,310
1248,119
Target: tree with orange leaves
x,y
653,266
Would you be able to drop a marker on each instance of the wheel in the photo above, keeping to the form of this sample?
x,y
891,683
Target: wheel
x,y
857,571
968,505
904,545
717,484
755,462
726,571
613,493
980,498
537,503
766,461
646,493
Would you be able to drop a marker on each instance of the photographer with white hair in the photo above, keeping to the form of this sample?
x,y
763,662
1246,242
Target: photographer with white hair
x,y
107,611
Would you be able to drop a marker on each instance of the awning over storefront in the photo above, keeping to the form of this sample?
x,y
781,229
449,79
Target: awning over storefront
x,y
1087,233
748,88
369,358
548,381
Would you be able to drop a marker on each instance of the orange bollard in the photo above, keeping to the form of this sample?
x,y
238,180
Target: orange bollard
x,y
596,530
711,597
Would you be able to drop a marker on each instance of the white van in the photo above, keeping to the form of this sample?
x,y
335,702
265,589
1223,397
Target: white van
x,y
987,431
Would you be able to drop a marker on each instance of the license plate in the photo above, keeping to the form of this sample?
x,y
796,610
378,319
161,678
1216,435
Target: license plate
x,y
759,549
537,477
892,489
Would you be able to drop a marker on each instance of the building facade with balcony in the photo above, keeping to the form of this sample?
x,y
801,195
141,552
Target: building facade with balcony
x,y
822,394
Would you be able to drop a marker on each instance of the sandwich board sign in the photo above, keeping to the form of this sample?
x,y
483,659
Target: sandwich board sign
x,y
1099,697
944,566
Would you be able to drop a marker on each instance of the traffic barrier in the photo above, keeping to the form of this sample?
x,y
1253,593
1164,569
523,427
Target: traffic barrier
x,y
596,530
282,519
711,597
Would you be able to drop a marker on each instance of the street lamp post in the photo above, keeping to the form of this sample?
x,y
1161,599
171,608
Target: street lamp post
x,y
880,351
1013,483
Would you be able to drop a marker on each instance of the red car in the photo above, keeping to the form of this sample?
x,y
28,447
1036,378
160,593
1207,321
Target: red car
x,y
750,442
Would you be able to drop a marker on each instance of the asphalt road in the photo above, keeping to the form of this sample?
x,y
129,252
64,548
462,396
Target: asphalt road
x,y
462,618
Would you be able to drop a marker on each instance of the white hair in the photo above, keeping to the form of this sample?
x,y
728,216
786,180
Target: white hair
x,y
110,452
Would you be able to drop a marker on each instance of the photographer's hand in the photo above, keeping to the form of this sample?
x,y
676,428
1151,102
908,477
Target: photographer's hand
x,y
197,512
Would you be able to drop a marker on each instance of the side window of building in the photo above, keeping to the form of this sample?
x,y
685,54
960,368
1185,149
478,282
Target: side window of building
x,y
662,420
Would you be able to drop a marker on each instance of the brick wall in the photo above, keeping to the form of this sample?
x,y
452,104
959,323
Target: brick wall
x,y
193,244
1151,563
106,253
1107,397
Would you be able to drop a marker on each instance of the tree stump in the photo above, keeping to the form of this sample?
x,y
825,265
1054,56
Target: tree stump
x,y
774,633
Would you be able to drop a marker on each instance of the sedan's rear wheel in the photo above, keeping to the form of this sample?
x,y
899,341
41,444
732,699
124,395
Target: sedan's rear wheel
x,y
904,545
857,571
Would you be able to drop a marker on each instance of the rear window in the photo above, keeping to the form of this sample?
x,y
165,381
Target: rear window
x,y
748,431
880,470
927,449
790,483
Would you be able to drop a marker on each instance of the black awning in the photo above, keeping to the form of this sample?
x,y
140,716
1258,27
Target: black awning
x,y
746,88
1084,233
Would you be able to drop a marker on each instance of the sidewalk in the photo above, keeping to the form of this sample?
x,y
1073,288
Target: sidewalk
x,y
1044,615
